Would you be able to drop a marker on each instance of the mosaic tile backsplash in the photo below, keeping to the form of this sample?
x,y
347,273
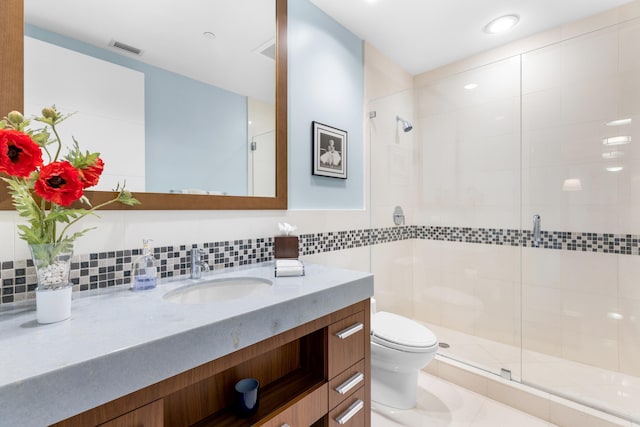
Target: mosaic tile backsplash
x,y
108,269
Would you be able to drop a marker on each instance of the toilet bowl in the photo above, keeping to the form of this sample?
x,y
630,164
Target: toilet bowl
x,y
400,347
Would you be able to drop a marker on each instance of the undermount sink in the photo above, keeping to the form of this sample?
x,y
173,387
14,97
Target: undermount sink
x,y
222,289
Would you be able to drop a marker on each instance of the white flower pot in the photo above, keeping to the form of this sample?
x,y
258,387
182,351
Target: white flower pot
x,y
53,305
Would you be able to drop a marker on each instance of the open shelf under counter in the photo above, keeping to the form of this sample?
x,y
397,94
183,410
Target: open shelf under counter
x,y
276,398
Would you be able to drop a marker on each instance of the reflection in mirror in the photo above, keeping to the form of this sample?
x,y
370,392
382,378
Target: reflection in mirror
x,y
12,98
187,111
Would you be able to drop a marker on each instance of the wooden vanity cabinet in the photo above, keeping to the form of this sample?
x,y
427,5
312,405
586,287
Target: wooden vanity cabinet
x,y
349,370
149,415
316,374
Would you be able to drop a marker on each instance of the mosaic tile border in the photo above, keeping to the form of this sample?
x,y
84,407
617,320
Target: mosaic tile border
x,y
108,269
624,244
113,268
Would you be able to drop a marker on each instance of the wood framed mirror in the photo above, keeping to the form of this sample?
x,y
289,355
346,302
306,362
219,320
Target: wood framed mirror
x,y
12,98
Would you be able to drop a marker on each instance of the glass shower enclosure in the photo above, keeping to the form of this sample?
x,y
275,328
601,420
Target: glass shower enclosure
x,y
520,182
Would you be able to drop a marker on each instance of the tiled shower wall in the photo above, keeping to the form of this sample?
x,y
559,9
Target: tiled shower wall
x,y
494,156
578,305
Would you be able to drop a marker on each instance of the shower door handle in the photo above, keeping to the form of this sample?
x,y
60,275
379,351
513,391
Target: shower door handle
x,y
536,228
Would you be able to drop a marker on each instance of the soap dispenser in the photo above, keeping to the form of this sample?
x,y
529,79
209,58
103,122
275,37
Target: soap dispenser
x,y
145,273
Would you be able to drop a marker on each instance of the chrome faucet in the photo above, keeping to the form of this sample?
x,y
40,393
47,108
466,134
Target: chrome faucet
x,y
197,264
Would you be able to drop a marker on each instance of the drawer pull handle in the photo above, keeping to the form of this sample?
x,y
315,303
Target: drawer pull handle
x,y
350,412
346,333
285,425
350,383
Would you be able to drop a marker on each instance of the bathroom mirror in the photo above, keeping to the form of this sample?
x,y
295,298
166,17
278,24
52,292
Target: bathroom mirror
x,y
11,35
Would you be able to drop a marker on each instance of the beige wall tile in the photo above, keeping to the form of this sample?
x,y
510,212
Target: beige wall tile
x,y
353,259
629,344
589,335
589,272
383,77
392,266
11,241
629,49
427,281
593,100
628,273
572,270
541,315
469,261
541,268
500,318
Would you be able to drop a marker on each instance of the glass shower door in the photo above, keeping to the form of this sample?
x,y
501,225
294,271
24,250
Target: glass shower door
x,y
467,268
581,175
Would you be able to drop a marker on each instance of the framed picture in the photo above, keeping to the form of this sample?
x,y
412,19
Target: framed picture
x,y
329,151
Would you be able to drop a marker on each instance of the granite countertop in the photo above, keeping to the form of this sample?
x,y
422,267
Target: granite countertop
x,y
119,341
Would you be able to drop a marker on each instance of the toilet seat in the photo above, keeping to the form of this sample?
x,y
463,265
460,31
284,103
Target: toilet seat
x,y
400,333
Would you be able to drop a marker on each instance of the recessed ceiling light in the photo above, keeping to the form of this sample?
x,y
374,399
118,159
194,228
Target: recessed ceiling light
x,y
619,122
615,168
617,140
501,24
471,86
209,35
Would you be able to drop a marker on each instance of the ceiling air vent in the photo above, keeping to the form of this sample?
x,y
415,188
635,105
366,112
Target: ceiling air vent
x,y
126,47
267,49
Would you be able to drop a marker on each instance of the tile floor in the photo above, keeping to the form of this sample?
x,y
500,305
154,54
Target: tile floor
x,y
441,403
604,389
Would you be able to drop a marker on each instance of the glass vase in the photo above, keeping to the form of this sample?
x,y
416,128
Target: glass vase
x,y
53,294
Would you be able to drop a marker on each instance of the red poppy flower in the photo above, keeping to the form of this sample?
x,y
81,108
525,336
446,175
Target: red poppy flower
x,y
59,182
19,154
90,175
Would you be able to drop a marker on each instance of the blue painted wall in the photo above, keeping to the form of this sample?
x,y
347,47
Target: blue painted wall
x,y
185,119
326,84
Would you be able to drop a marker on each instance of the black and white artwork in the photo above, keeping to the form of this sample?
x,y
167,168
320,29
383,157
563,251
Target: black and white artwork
x,y
329,151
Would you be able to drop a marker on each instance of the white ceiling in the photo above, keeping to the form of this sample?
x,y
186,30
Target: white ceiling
x,y
421,35
170,33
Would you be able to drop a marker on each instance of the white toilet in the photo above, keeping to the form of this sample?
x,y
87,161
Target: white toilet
x,y
400,347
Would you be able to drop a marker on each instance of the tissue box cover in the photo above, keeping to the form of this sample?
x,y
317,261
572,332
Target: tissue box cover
x,y
285,247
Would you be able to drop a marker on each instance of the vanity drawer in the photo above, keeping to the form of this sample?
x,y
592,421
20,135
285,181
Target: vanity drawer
x,y
350,412
346,383
150,415
303,412
347,342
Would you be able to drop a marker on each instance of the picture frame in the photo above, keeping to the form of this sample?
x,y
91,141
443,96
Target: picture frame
x,y
329,151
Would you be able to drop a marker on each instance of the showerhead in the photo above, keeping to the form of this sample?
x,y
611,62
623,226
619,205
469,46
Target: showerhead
x,y
406,125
